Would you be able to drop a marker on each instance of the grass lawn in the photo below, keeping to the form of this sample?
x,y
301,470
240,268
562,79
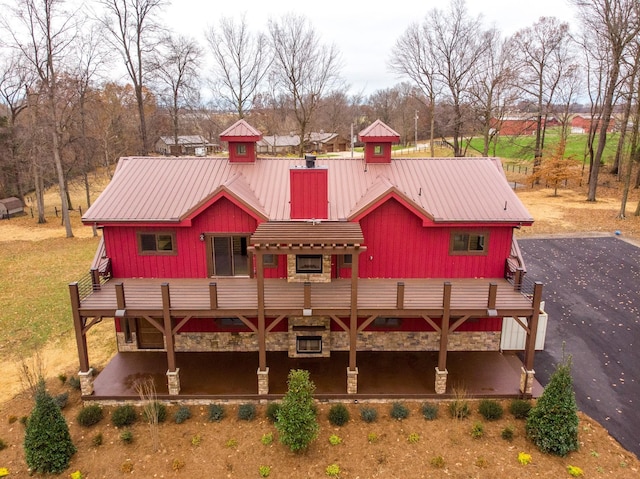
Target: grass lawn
x,y
522,147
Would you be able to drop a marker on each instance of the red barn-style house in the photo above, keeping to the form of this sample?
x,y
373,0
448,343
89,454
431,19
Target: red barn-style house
x,y
304,259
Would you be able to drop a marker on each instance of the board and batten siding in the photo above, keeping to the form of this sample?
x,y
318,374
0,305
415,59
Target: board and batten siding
x,y
191,261
399,246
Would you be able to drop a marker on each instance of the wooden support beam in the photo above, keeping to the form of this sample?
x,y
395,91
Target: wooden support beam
x,y
530,344
400,296
81,339
307,295
275,322
168,330
517,279
213,295
431,322
262,333
367,322
182,322
493,293
444,330
95,279
353,320
339,322
120,299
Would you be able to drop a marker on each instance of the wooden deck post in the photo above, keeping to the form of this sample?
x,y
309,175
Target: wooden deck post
x,y
307,295
213,295
173,376
400,296
352,370
517,279
441,369
527,374
263,371
85,375
493,293
95,279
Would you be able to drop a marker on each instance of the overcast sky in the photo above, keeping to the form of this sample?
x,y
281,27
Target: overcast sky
x,y
364,32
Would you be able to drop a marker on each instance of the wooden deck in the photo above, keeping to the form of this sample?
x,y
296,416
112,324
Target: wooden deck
x,y
198,297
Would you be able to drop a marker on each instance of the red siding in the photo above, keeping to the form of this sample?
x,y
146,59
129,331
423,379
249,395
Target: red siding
x,y
309,193
419,324
371,157
248,157
191,260
398,246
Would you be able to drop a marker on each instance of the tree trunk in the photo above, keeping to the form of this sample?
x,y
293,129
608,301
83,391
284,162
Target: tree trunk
x,y
143,121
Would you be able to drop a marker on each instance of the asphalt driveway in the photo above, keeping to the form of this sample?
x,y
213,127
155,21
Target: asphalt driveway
x,y
592,294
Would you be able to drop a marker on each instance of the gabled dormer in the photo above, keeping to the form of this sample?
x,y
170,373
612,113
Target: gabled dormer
x,y
377,139
242,139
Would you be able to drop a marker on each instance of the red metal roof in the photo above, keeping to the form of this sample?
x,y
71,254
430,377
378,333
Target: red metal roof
x,y
241,129
379,131
147,189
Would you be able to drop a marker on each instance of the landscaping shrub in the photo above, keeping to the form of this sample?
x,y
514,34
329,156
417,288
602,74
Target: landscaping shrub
x,y
61,400
124,416
368,414
459,409
126,436
74,382
297,422
90,415
339,415
430,411
47,443
507,433
490,409
155,408
97,440
216,412
272,411
247,412
182,414
477,431
520,408
399,411
552,423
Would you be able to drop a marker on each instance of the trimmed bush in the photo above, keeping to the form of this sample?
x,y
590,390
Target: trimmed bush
x,y
61,400
90,415
247,412
155,408
520,408
47,443
297,421
126,436
399,411
477,431
507,433
552,424
216,412
339,415
97,440
490,409
272,411
368,414
124,416
182,414
459,409
430,411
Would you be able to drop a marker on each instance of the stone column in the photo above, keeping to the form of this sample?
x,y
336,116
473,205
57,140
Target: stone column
x,y
263,382
352,381
173,379
86,382
526,381
441,381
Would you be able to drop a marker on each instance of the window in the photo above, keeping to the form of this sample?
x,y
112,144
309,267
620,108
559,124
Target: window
x,y
309,263
241,149
157,243
230,322
346,260
229,256
386,322
377,150
469,243
309,344
269,260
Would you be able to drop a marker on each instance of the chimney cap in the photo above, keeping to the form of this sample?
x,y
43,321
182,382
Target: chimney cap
x,y
310,161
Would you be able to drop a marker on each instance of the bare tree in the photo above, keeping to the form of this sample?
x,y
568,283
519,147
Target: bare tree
x,y
414,58
542,53
458,42
133,31
43,33
614,24
303,68
241,61
176,73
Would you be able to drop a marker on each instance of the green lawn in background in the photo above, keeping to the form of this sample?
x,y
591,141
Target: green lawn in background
x,y
34,292
521,147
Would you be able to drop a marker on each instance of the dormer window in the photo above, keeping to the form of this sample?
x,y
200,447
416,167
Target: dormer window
x,y
241,149
377,150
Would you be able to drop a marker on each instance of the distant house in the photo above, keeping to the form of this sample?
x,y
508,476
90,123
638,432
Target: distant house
x,y
257,259
318,142
11,206
521,125
582,123
188,145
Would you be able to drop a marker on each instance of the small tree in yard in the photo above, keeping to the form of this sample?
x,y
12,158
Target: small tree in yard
x,y
552,423
47,443
556,169
297,422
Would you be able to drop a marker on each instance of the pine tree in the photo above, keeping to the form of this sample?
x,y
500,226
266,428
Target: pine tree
x,y
552,423
47,443
296,420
